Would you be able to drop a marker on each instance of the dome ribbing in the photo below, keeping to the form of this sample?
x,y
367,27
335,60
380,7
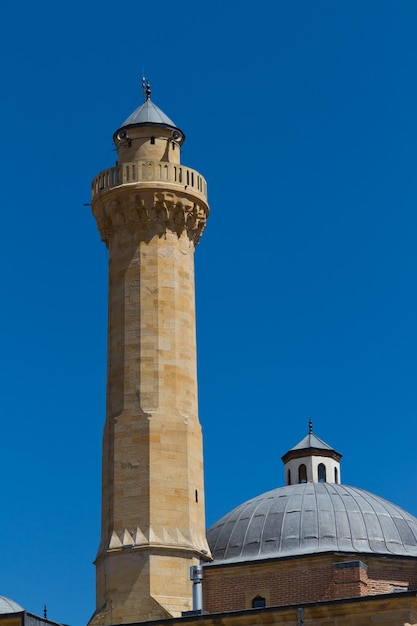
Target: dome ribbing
x,y
312,518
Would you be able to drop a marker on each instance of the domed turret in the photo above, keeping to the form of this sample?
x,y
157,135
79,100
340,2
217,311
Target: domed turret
x,y
311,461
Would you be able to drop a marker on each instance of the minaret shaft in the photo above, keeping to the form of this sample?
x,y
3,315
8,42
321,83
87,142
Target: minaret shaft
x,y
152,415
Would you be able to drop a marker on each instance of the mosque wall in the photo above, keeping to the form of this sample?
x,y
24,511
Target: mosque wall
x,y
315,578
384,610
387,574
23,618
15,620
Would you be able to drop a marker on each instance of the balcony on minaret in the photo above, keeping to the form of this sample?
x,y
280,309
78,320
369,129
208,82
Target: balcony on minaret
x,y
150,172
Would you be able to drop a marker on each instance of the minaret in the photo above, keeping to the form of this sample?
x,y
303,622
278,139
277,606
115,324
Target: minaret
x,y
150,212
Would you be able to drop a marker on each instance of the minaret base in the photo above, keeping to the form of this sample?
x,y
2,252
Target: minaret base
x,y
135,578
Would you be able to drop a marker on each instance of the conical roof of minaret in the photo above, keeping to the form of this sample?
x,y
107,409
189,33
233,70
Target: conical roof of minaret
x,y
148,114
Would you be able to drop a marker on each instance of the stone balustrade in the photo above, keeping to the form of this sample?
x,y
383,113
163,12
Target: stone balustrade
x,y
147,171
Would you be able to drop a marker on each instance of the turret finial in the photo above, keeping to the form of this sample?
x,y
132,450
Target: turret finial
x,y
146,86
310,426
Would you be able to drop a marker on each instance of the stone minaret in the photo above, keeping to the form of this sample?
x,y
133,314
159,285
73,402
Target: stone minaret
x,y
150,212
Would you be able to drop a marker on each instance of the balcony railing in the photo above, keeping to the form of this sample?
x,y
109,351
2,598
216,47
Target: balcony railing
x,y
144,171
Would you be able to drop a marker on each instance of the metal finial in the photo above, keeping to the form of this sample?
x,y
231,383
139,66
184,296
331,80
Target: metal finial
x,y
45,612
146,87
310,426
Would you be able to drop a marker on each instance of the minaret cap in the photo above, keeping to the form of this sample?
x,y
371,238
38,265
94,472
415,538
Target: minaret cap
x,y
148,114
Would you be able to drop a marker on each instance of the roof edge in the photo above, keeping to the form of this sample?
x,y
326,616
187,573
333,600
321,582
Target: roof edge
x,y
302,452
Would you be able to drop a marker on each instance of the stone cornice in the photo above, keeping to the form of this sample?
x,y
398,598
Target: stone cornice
x,y
155,537
149,213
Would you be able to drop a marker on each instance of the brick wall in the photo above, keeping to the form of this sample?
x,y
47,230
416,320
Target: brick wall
x,y
306,579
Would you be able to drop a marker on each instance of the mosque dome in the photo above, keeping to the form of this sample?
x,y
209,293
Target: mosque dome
x,y
308,518
313,514
9,606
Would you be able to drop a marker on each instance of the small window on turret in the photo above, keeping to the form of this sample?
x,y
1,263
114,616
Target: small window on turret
x,y
289,477
302,474
322,473
173,145
153,140
336,476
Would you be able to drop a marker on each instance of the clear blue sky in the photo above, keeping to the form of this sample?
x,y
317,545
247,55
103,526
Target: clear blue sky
x,y
302,117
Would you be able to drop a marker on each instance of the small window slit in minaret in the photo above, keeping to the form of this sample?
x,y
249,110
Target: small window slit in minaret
x,y
196,495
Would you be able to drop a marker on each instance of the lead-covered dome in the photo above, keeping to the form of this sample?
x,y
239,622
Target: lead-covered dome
x,y
9,606
148,113
311,518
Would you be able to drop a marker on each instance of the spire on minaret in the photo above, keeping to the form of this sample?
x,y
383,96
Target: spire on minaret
x,y
310,426
146,87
